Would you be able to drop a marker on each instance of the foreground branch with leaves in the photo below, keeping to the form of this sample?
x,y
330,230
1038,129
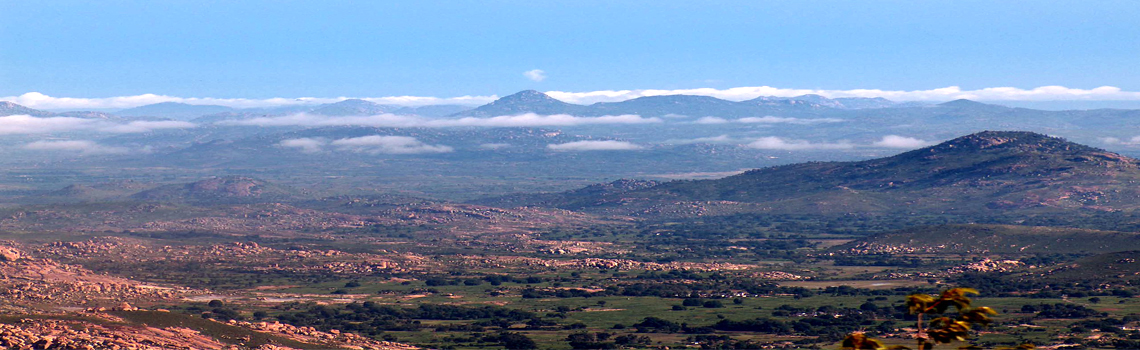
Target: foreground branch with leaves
x,y
942,329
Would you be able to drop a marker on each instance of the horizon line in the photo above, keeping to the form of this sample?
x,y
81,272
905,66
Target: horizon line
x,y
1051,93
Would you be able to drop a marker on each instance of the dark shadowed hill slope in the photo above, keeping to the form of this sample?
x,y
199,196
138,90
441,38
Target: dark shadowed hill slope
x,y
578,198
1106,270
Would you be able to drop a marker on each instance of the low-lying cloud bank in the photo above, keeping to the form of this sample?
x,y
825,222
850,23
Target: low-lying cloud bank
x,y
719,139
372,144
42,101
779,143
84,147
1043,93
595,146
767,120
1135,140
26,124
403,121
896,141
785,144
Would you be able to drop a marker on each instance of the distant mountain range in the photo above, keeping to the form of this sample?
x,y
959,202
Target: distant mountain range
x,y
986,171
173,110
214,113
531,101
528,101
846,116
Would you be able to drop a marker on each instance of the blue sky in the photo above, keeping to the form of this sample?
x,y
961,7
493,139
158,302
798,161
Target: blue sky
x,y
266,49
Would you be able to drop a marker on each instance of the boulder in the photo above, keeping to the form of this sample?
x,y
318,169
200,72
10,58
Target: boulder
x,y
10,254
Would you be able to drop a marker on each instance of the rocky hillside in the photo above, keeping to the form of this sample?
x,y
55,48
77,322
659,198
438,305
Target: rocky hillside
x,y
993,239
228,189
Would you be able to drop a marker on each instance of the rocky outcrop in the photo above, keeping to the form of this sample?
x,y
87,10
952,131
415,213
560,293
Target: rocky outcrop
x,y
34,334
26,279
10,254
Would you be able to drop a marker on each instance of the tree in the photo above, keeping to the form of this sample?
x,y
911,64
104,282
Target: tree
x,y
516,341
942,329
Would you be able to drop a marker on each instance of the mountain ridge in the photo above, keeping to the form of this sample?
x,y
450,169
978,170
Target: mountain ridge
x,y
990,170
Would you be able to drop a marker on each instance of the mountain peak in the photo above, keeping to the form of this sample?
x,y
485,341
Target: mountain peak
x,y
352,107
11,108
811,98
965,103
528,96
1019,141
354,102
526,101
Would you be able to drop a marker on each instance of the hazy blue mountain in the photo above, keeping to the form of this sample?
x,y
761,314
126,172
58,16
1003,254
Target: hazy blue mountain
x,y
353,107
866,102
688,105
845,102
971,105
226,116
531,101
817,100
432,110
173,110
87,114
805,101
9,108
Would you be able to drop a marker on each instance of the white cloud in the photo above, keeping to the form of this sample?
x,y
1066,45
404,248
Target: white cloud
x,y
147,126
767,120
495,146
714,139
25,124
41,101
391,120
535,74
788,120
306,144
1043,93
531,119
595,146
711,120
82,146
778,143
1135,140
375,144
896,141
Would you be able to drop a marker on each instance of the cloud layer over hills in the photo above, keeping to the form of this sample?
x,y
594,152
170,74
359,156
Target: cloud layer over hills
x,y
26,124
1043,93
391,120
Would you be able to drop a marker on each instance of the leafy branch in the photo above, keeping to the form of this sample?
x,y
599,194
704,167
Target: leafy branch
x,y
942,329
